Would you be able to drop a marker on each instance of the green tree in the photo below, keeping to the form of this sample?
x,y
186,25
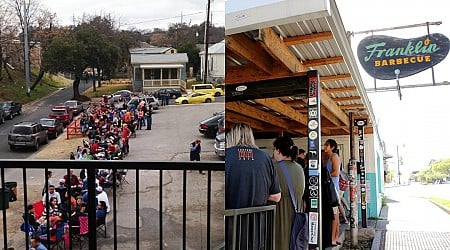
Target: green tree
x,y
192,52
66,54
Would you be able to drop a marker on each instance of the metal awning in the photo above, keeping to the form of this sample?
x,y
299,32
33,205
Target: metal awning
x,y
279,49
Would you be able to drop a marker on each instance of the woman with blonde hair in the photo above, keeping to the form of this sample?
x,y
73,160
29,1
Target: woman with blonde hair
x,y
250,179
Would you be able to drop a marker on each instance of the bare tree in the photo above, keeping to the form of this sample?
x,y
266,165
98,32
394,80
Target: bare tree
x,y
8,32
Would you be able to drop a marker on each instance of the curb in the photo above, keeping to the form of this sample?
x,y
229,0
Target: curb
x,y
446,209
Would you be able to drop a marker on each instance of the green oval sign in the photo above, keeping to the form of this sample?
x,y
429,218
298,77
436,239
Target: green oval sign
x,y
383,57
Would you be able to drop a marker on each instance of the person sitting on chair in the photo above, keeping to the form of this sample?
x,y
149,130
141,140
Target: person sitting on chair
x,y
35,243
101,213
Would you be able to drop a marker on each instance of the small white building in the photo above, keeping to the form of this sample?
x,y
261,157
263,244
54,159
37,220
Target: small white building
x,y
158,67
216,62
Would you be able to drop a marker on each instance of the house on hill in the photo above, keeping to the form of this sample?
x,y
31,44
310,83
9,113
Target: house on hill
x,y
157,67
216,62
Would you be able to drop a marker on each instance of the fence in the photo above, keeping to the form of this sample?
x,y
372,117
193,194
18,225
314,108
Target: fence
x,y
167,231
250,228
74,128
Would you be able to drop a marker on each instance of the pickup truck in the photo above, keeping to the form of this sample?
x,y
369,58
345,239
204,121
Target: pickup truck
x,y
11,109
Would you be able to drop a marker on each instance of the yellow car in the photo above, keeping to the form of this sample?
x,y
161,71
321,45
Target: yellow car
x,y
195,98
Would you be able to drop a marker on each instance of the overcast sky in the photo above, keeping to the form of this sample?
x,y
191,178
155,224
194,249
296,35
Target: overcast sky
x,y
140,14
421,120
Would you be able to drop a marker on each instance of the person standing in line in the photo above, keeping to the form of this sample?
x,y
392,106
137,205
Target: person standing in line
x,y
250,179
285,153
49,180
149,117
196,149
126,133
332,163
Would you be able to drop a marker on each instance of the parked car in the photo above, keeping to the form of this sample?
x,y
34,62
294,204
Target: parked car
x,y
60,114
75,106
11,109
210,125
195,98
219,145
173,93
69,110
54,127
149,100
207,88
27,134
124,93
2,116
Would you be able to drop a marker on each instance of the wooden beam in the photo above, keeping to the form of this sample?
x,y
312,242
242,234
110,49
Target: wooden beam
x,y
338,90
351,106
333,108
276,105
296,102
255,113
316,37
249,50
232,117
323,61
349,98
250,73
275,46
335,77
288,86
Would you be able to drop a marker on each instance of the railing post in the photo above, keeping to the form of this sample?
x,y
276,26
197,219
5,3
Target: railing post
x,y
92,218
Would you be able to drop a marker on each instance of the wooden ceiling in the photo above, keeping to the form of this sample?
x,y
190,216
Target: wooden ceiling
x,y
274,55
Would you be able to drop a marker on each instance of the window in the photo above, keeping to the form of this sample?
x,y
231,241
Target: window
x,y
165,74
173,73
137,74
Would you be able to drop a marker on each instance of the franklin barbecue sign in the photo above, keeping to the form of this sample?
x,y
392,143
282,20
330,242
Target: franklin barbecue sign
x,y
380,56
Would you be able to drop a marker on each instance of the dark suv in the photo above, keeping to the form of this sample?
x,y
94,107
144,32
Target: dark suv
x,y
27,134
173,93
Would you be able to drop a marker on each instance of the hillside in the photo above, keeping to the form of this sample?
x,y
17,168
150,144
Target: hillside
x,y
13,85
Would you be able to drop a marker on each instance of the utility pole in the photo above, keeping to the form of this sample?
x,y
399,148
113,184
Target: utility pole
x,y
205,70
398,167
26,48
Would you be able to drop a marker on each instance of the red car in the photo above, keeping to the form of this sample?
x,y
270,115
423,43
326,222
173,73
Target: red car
x,y
60,114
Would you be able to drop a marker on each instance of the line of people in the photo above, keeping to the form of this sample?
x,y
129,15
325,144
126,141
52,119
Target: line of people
x,y
261,176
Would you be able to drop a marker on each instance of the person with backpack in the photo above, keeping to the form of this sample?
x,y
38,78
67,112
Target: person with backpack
x,y
285,154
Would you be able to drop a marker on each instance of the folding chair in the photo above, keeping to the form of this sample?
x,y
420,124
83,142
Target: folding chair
x,y
122,176
38,209
80,233
55,240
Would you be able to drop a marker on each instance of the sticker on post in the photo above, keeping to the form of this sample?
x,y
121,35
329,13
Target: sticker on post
x,y
314,203
312,135
313,227
313,124
313,164
312,113
312,101
312,144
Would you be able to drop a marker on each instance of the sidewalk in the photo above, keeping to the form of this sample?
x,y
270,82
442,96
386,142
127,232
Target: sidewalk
x,y
412,223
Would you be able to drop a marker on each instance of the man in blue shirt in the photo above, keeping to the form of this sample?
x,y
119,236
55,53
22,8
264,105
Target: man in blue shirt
x,y
36,244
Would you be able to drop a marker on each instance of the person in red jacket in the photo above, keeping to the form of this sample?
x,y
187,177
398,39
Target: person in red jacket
x,y
126,133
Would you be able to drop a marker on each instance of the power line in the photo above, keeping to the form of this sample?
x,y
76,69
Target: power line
x,y
166,18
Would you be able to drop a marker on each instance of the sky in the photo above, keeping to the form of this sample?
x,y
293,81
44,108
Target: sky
x,y
139,14
418,124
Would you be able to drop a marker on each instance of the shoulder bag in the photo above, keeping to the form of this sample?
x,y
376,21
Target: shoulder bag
x,y
300,225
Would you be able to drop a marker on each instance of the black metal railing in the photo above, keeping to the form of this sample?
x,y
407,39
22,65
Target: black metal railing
x,y
213,168
250,228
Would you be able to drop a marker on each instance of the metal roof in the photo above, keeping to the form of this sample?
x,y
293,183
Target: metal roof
x,y
283,48
159,58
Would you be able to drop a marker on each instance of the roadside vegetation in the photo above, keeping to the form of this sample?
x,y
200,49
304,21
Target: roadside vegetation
x,y
441,201
437,171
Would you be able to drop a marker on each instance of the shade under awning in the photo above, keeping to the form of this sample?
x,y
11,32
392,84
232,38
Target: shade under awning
x,y
161,66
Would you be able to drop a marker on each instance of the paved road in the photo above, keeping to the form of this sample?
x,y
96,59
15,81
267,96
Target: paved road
x,y
414,222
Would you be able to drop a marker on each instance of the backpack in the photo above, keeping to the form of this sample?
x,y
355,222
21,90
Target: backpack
x,y
343,181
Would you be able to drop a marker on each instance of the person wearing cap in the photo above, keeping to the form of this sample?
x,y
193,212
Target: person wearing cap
x,y
102,196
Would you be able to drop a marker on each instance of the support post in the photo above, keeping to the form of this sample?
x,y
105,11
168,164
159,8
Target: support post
x,y
362,179
353,194
314,160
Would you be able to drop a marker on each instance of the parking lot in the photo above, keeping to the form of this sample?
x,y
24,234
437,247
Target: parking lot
x,y
173,128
